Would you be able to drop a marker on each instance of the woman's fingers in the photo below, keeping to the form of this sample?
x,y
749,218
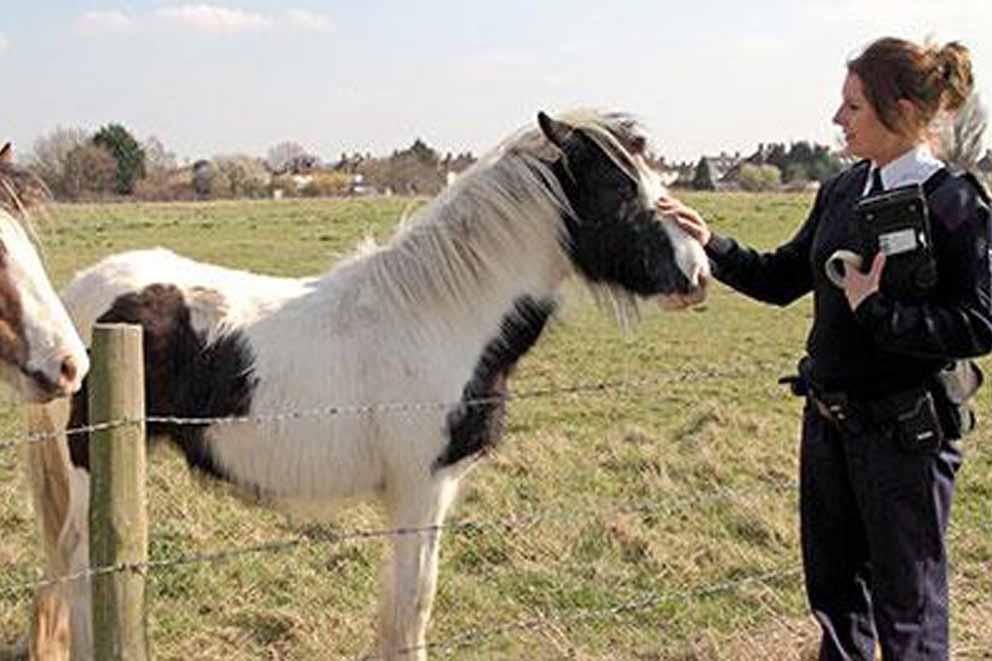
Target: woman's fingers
x,y
686,217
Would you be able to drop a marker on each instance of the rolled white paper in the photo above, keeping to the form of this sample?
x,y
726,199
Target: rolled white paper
x,y
838,263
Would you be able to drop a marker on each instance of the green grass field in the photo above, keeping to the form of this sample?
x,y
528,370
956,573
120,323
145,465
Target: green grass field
x,y
653,518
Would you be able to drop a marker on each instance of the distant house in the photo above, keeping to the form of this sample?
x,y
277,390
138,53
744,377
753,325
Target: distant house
x,y
685,173
711,172
359,186
731,175
723,165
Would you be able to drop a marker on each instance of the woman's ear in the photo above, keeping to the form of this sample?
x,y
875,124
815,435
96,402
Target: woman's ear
x,y
909,120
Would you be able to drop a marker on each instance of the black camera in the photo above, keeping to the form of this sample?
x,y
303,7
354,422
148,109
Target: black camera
x,y
897,223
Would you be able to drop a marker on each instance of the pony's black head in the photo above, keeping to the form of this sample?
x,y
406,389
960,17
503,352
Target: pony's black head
x,y
613,235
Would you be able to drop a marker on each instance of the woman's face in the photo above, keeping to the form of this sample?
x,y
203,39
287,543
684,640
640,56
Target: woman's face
x,y
866,135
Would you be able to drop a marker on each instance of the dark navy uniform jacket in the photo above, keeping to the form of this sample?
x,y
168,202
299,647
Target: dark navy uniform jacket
x,y
886,346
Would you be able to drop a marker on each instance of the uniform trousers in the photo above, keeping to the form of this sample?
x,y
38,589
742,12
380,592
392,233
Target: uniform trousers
x,y
873,524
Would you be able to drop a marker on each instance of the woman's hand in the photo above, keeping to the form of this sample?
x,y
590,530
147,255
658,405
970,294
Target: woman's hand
x,y
687,218
858,286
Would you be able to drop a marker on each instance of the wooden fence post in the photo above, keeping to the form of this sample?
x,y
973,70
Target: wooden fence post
x,y
118,517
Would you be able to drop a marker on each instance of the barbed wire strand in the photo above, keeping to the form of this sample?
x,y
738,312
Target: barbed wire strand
x,y
324,536
700,374
334,537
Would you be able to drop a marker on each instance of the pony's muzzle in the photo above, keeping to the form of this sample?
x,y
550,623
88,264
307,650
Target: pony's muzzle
x,y
63,379
694,295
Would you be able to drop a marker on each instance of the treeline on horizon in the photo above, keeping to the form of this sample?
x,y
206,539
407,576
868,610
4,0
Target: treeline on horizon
x,y
77,165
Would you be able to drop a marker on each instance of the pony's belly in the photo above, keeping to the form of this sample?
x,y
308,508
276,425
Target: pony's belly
x,y
297,458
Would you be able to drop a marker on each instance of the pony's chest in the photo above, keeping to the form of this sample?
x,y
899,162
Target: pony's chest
x,y
477,422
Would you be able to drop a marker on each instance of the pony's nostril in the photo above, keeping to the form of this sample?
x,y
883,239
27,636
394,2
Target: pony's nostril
x,y
69,369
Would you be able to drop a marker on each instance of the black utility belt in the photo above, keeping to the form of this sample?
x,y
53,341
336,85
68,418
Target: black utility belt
x,y
923,415
911,414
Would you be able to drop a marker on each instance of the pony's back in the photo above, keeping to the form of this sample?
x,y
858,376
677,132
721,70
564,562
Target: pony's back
x,y
217,297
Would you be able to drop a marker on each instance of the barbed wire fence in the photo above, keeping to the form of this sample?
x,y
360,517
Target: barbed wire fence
x,y
624,583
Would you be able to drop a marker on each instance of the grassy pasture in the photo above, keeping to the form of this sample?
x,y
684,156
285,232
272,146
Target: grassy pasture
x,y
652,518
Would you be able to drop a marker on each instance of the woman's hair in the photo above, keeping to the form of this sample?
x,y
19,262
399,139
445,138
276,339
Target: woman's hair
x,y
931,77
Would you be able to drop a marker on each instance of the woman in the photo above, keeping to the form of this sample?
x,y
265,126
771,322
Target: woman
x,y
875,489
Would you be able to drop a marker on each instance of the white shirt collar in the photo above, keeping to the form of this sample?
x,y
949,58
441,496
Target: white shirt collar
x,y
913,167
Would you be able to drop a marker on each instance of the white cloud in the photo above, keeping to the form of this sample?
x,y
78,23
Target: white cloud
x,y
211,18
98,22
308,20
4,43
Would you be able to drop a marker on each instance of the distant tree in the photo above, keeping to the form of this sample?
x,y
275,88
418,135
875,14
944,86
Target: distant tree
x,y
796,172
51,153
239,175
158,159
777,155
461,162
203,174
327,183
126,151
802,160
420,151
703,177
89,170
756,178
280,156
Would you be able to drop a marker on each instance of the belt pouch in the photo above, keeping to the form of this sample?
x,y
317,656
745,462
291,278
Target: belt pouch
x,y
913,418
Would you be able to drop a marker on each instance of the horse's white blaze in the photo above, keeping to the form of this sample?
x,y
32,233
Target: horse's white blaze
x,y
50,334
689,255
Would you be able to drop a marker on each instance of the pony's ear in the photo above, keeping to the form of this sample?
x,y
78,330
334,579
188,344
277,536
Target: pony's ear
x,y
7,154
557,132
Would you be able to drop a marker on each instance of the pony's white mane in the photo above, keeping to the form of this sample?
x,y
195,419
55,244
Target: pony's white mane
x,y
479,228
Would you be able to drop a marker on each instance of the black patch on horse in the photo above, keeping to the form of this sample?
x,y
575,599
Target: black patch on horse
x,y
184,376
613,239
476,424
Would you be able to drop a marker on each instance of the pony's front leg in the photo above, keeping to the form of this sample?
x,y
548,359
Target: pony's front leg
x,y
74,545
411,580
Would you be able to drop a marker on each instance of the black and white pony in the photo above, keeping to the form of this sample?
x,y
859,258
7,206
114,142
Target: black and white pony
x,y
439,314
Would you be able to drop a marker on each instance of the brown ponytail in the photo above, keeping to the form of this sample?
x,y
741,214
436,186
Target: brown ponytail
x,y
953,69
932,78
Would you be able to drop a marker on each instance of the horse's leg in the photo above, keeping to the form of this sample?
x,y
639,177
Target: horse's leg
x,y
412,576
74,546
48,476
50,637
61,500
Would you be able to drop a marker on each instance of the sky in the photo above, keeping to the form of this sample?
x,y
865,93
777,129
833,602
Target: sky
x,y
239,76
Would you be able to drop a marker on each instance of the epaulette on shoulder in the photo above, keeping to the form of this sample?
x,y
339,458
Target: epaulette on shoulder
x,y
847,177
983,191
